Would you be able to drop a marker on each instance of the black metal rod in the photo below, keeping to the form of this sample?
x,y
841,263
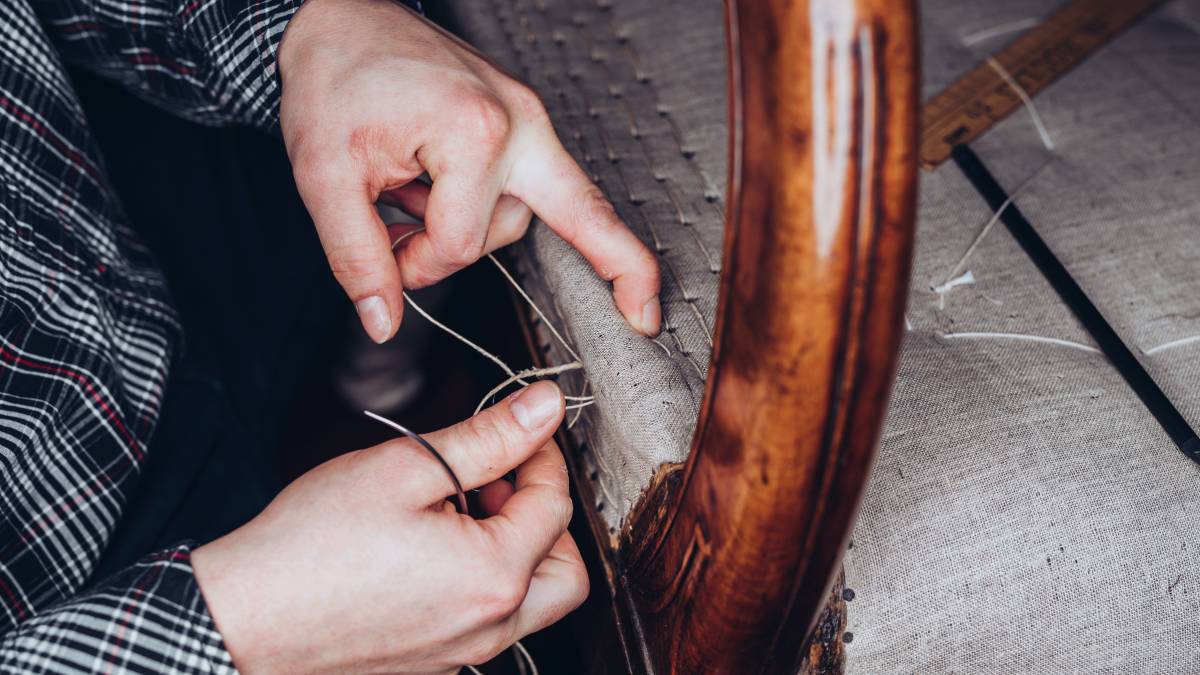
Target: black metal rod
x,y
1093,321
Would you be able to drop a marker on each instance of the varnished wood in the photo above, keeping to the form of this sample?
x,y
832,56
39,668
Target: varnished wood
x,y
728,559
730,556
825,653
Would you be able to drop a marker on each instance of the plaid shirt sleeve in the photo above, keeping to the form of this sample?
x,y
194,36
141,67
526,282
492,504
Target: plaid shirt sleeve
x,y
87,330
211,61
149,618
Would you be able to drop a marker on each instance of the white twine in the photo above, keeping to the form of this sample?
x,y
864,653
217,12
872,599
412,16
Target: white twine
x,y
1024,337
514,377
992,221
521,654
1033,113
1002,29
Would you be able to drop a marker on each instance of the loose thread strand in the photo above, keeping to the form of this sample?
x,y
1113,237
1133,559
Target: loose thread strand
x,y
522,654
992,222
1020,91
532,372
1002,29
513,376
538,310
579,408
483,352
588,400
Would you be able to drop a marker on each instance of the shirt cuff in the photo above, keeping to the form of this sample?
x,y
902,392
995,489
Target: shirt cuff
x,y
267,25
150,617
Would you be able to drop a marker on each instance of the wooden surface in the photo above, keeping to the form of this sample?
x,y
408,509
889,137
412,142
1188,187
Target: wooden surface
x,y
825,653
982,97
730,557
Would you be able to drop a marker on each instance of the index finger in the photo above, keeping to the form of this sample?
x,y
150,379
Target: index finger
x,y
536,515
549,181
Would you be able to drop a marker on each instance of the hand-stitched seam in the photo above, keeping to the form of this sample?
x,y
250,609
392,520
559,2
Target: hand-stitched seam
x,y
712,196
589,158
614,159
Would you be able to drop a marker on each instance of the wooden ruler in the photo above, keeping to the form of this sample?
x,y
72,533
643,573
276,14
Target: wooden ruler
x,y
979,99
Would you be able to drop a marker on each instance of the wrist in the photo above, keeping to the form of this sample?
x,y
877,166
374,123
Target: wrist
x,y
292,44
329,26
232,604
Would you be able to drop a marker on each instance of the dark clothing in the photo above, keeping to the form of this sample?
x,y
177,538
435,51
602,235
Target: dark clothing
x,y
258,306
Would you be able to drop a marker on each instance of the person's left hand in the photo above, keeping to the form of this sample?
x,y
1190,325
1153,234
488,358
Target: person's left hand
x,y
361,565
374,96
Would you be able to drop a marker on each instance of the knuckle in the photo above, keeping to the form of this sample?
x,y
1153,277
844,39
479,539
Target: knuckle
x,y
464,254
460,249
413,278
502,596
488,440
484,119
311,167
648,264
513,230
416,269
351,262
514,217
527,103
580,584
594,211
561,509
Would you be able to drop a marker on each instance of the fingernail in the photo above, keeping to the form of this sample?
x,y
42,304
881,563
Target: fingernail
x,y
651,316
537,404
373,312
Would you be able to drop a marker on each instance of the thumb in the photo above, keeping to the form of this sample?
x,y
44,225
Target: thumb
x,y
487,446
359,252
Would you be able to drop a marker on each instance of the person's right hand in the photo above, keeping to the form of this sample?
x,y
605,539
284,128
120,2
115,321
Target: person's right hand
x,y
373,95
362,565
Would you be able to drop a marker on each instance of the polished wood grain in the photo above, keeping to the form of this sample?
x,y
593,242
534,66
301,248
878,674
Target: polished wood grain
x,y
730,556
727,562
825,653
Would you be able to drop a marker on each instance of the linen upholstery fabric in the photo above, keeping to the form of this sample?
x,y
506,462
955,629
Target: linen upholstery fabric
x,y
1027,514
637,93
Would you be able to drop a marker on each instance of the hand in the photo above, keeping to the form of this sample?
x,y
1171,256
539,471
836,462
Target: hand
x,y
374,96
361,564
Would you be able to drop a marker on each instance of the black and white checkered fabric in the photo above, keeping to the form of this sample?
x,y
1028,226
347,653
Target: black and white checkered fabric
x,y
87,330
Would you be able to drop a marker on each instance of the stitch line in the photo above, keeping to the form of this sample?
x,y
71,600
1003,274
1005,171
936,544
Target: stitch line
x,y
579,23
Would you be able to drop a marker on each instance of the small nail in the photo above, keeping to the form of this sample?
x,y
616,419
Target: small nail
x,y
536,405
373,312
651,316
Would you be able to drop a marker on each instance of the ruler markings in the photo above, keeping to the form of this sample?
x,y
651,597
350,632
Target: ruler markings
x,y
981,98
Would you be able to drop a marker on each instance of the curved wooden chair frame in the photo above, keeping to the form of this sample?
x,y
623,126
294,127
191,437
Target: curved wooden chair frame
x,y
728,559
